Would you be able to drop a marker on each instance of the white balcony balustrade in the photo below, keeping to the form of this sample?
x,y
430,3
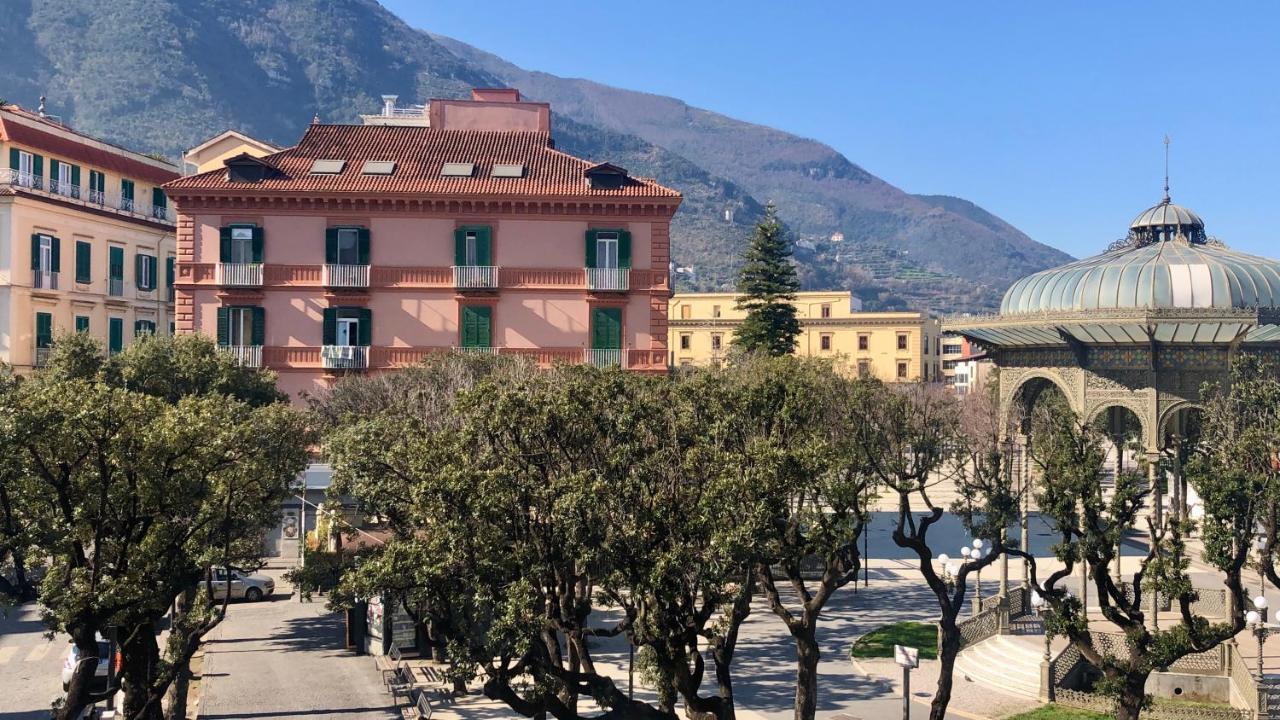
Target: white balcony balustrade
x,y
42,355
44,279
475,277
239,274
344,357
473,350
609,279
600,358
346,276
115,287
246,355
87,197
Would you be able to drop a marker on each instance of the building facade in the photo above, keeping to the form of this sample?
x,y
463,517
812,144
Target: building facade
x,y
364,247
86,239
893,346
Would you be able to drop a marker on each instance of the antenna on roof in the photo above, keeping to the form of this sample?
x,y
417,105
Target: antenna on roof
x,y
40,109
1166,168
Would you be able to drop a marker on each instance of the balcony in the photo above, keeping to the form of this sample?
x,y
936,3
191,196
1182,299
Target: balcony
x,y
95,199
42,355
344,357
115,287
602,358
475,277
477,350
239,274
44,279
609,279
246,355
345,276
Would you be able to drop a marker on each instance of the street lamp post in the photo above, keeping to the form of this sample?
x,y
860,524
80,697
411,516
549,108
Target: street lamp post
x,y
1257,620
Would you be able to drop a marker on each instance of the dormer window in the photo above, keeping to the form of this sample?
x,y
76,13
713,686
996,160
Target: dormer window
x,y
246,168
458,169
606,176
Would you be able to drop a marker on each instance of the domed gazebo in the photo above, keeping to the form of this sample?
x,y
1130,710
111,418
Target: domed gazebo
x,y
1139,327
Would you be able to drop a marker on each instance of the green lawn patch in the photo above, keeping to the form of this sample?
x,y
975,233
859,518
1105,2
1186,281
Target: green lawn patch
x,y
1058,712
879,642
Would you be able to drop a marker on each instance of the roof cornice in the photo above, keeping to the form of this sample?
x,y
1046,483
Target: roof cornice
x,y
187,201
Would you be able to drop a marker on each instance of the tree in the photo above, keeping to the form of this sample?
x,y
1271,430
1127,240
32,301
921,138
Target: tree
x,y
134,495
767,286
1071,457
915,437
794,416
541,497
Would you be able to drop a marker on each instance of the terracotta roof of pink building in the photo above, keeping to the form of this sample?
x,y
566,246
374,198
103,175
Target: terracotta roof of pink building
x,y
419,154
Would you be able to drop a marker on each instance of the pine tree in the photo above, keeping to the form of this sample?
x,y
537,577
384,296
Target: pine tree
x,y
767,285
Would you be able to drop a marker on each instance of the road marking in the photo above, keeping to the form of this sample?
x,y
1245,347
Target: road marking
x,y
7,653
39,651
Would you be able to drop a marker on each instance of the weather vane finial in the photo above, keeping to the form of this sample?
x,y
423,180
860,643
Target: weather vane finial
x,y
1166,168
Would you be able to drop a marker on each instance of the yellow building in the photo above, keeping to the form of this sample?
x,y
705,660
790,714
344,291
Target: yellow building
x,y
86,239
213,153
893,346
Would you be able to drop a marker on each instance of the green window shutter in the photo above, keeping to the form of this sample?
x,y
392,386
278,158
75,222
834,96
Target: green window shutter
x,y
606,328
56,255
153,268
365,315
362,246
259,326
37,165
624,248
257,244
224,244
158,198
460,246
44,329
126,189
53,171
82,323
84,262
168,271
331,246
477,326
484,246
15,158
115,334
591,248
35,252
330,326
137,327
115,263
75,175
224,326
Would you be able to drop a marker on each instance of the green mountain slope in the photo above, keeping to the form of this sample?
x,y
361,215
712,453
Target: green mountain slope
x,y
163,75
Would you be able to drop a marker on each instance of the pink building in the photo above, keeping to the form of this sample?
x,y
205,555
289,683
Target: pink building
x,y
364,247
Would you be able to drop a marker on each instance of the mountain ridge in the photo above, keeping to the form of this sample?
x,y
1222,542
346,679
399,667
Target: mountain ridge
x,y
164,75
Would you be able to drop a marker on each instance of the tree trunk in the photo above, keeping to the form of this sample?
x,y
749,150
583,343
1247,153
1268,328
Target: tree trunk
x,y
141,657
1132,693
950,647
78,697
176,696
806,671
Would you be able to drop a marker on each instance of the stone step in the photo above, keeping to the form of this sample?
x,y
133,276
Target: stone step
x,y
1004,665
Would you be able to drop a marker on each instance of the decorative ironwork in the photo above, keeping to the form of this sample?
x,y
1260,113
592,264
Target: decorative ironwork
x,y
985,624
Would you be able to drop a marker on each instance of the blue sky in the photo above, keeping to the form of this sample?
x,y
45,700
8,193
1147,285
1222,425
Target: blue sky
x,y
1049,115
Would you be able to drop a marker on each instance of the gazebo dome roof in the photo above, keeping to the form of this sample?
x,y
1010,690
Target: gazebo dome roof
x,y
1166,263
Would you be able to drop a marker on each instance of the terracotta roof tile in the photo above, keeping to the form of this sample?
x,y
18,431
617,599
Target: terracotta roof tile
x,y
419,154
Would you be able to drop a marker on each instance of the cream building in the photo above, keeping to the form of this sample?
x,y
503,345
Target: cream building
x,y
893,346
86,239
213,153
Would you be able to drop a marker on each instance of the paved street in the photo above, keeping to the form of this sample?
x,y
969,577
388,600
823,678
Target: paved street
x,y
282,658
30,665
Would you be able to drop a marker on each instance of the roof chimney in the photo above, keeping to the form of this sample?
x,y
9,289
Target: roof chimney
x,y
495,95
41,108
389,105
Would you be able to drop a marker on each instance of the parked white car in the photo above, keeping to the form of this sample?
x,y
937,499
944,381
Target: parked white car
x,y
101,673
244,585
